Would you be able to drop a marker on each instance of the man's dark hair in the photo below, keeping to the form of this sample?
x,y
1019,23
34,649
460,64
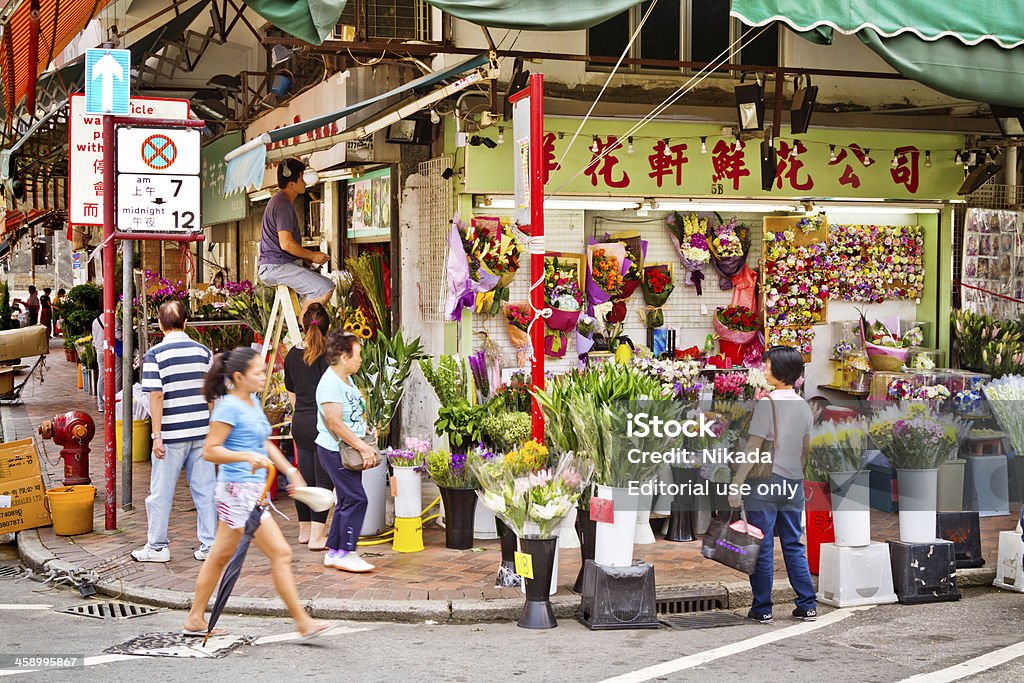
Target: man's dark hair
x,y
31,289
289,171
172,315
787,364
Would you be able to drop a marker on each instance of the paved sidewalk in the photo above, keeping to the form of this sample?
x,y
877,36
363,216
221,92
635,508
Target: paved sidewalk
x,y
438,583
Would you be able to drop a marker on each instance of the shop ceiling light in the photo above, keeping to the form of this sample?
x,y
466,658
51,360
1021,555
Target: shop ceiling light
x,y
804,97
865,209
927,158
703,144
629,145
832,153
435,118
867,157
501,135
566,203
750,102
739,206
1009,119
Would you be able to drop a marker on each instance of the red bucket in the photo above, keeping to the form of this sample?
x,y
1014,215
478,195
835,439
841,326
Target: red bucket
x,y
819,521
732,351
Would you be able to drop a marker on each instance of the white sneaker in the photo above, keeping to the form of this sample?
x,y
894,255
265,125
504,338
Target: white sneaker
x,y
330,560
147,554
351,562
201,554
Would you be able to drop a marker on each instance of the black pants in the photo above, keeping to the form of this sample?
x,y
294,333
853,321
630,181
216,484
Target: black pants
x,y
315,475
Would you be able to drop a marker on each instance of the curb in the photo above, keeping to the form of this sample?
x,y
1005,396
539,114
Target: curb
x,y
464,610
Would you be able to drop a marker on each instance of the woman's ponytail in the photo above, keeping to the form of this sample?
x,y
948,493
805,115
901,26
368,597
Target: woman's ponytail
x,y
314,342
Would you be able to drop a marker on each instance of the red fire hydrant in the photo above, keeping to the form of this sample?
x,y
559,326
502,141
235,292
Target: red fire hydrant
x,y
73,431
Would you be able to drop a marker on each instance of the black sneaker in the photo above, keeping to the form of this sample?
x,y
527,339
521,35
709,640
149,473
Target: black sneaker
x,y
759,618
806,614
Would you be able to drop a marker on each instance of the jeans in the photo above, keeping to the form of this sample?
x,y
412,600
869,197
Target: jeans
x,y
771,512
202,480
313,472
351,508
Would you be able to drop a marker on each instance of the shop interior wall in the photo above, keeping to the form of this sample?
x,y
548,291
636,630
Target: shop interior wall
x,y
689,314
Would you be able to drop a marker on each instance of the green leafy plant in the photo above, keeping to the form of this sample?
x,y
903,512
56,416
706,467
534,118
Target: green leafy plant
x,y
81,306
387,363
6,322
462,423
450,378
507,431
253,309
450,470
368,273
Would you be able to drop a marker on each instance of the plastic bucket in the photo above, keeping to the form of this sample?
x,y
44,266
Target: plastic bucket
x,y
71,509
409,501
851,509
732,351
919,491
615,541
375,483
142,440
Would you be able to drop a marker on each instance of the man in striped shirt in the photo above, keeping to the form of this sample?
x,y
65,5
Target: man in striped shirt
x,y
173,374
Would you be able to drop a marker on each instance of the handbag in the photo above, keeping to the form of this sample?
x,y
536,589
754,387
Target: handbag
x,y
350,457
733,544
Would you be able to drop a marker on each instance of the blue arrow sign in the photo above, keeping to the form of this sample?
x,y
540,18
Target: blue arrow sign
x,y
107,81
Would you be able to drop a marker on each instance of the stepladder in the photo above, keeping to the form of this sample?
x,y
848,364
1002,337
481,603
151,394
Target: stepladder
x,y
283,320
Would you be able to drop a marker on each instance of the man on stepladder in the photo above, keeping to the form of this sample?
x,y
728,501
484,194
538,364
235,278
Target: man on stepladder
x,y
281,242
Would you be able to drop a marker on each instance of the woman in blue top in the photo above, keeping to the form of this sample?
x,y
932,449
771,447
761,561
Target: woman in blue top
x,y
341,423
238,443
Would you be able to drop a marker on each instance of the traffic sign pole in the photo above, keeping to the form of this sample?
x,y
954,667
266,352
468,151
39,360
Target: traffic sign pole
x,y
110,237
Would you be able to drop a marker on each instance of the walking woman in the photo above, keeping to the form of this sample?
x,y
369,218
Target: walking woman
x,y
782,419
341,427
303,367
237,442
46,311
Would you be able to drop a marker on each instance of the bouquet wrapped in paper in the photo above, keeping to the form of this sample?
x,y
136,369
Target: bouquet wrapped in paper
x,y
689,235
606,268
562,293
736,324
496,252
532,501
657,284
636,253
1006,396
913,436
518,317
729,245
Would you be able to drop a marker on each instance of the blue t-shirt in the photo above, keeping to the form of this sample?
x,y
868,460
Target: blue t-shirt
x,y
249,431
332,389
279,216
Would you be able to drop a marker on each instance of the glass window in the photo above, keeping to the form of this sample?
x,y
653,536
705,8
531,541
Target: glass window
x,y
763,50
709,29
609,38
659,38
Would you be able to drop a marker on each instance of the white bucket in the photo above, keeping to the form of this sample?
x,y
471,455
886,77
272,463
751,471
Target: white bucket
x,y
851,512
484,525
567,536
375,483
531,528
409,497
919,491
614,542
643,534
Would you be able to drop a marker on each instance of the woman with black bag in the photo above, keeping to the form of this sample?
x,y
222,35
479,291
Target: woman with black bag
x,y
343,449
782,419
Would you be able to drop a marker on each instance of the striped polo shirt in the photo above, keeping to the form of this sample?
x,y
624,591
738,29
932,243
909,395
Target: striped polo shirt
x,y
177,366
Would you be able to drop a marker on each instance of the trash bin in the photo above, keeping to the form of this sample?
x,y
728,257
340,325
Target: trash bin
x,y
142,440
71,509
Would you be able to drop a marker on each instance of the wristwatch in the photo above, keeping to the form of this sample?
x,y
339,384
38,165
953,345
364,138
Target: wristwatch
x,y
157,435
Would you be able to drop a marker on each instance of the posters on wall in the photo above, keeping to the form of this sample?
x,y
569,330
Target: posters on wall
x,y
992,274
369,202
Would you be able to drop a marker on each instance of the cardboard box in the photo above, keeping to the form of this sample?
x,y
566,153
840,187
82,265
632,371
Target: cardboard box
x,y
22,493
6,380
29,341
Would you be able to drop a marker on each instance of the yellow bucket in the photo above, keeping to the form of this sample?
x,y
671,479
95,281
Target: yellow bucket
x,y
71,509
142,440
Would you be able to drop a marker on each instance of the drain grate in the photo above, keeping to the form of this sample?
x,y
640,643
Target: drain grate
x,y
686,622
691,600
109,610
11,571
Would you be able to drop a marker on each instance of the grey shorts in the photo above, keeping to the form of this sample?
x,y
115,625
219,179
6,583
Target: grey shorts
x,y
305,283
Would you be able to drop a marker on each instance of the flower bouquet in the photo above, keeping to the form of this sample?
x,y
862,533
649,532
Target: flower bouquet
x,y
680,379
408,464
605,269
461,271
657,284
585,334
887,348
837,448
735,324
729,245
518,317
497,254
800,338
1006,396
689,235
562,296
449,470
913,437
412,454
636,253
730,386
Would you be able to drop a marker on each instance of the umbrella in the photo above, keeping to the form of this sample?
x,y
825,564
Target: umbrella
x,y
234,568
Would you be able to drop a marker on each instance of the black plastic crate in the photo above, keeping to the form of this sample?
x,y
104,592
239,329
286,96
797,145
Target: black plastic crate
x,y
924,572
963,529
618,597
884,488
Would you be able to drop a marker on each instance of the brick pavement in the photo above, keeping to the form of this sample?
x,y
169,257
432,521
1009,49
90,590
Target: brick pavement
x,y
434,574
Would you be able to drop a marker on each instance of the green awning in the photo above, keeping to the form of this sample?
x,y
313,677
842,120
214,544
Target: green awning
x,y
309,20
998,21
535,15
970,50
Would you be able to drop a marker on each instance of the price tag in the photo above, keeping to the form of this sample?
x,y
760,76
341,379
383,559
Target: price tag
x,y
524,565
602,510
394,487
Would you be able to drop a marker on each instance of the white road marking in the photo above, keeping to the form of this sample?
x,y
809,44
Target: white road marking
x,y
971,666
25,607
701,658
265,640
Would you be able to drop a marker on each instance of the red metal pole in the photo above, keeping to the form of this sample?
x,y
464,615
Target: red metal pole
x,y
109,303
537,235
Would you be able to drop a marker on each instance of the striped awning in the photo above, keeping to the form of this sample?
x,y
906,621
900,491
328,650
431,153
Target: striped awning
x,y
59,21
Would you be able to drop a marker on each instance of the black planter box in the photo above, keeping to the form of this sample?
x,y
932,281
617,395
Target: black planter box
x,y
924,572
963,529
618,597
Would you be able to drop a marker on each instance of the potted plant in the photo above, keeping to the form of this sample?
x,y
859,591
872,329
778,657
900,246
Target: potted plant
x,y
70,352
506,431
837,452
387,364
916,441
532,501
458,493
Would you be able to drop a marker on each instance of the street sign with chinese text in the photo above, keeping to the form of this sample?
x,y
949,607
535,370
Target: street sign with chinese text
x,y
158,203
85,152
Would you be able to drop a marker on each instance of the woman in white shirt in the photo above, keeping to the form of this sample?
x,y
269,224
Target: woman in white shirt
x,y
783,421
